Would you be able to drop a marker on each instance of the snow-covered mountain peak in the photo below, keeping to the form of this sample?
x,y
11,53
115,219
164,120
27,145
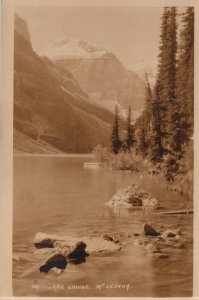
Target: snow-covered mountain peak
x,y
67,48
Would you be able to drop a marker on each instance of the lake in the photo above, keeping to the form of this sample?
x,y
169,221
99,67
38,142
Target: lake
x,y
58,195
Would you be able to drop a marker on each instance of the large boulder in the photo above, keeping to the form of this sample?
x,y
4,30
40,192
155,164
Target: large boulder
x,y
132,196
77,254
57,260
66,243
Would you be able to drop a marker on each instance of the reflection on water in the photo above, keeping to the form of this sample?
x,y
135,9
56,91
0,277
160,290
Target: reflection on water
x,y
58,195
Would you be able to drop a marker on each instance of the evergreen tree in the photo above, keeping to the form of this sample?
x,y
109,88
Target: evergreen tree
x,y
162,83
144,122
185,76
130,131
156,149
173,115
142,144
116,142
148,110
166,123
165,89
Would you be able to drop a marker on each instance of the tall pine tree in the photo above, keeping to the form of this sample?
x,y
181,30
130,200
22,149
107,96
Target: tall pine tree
x,y
173,115
167,118
162,83
156,150
116,142
165,89
148,110
144,122
142,144
185,76
130,131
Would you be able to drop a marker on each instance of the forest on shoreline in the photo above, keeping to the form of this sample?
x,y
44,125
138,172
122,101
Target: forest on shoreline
x,y
163,135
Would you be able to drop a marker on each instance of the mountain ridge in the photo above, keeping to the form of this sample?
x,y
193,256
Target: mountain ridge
x,y
44,112
98,72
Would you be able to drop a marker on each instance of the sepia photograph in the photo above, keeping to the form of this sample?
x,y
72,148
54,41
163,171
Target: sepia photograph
x,y
103,150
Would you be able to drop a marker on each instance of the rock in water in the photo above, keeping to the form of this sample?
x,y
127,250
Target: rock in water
x,y
78,253
41,240
150,231
55,261
163,256
94,244
107,237
47,243
133,196
112,238
169,234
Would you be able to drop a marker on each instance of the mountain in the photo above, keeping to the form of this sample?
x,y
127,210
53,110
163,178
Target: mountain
x,y
22,28
67,48
148,67
99,73
51,112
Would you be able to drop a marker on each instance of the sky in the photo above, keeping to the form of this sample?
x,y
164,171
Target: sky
x,y
131,33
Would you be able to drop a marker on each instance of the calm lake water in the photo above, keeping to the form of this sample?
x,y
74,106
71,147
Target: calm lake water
x,y
57,195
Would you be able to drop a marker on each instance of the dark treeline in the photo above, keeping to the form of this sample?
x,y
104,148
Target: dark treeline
x,y
164,131
166,125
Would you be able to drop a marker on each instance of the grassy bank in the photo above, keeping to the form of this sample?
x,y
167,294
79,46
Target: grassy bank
x,y
121,161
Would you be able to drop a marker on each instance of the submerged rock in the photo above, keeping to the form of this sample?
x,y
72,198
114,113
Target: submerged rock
x,y
108,237
115,238
132,196
163,256
136,234
94,244
169,234
150,231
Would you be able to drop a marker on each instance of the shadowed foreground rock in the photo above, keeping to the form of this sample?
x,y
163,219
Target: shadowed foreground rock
x,y
59,259
78,253
150,231
55,261
133,196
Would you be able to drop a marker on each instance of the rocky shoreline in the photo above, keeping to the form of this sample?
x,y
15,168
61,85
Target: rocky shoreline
x,y
53,252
